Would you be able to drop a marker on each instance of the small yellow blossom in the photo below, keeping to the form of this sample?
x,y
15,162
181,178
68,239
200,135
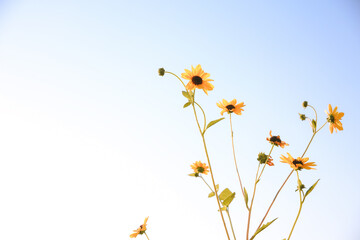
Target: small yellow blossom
x,y
230,107
200,167
334,118
140,230
197,79
298,163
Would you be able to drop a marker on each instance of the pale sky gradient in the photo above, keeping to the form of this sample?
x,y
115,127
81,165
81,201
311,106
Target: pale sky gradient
x,y
92,140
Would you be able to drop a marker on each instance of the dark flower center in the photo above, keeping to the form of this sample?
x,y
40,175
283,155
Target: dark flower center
x,y
275,139
332,118
297,162
197,80
200,169
230,107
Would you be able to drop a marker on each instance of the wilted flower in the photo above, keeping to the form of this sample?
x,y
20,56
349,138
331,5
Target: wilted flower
x,y
276,141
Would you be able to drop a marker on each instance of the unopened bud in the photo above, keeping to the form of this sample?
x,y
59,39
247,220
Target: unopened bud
x,y
161,71
305,104
302,117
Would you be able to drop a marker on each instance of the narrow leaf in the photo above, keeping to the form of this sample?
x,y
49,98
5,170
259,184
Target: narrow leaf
x,y
228,200
246,197
192,174
262,228
223,208
214,122
186,104
311,188
186,94
211,194
225,194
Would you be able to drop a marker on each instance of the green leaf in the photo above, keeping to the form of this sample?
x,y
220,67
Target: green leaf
x,y
217,187
186,104
192,174
223,208
246,197
262,228
228,200
214,122
311,188
211,194
225,194
186,94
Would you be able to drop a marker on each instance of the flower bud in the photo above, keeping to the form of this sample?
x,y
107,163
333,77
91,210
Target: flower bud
x,y
161,71
305,104
262,157
302,117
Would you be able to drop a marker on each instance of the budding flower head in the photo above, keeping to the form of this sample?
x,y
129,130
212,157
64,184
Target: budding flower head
x,y
161,71
262,157
302,117
305,104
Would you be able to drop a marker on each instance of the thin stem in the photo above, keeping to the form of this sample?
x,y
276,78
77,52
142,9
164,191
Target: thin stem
x,y
203,114
262,170
211,173
300,207
307,147
257,178
206,183
252,201
274,200
322,126
146,236
232,229
233,148
314,111
178,78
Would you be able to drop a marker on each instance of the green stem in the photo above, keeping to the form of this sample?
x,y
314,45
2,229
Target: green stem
x,y
211,172
314,111
300,207
322,126
233,148
232,229
257,178
178,78
307,147
203,114
206,183
262,170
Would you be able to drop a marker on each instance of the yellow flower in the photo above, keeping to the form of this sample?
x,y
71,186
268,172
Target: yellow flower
x,y
298,163
334,118
276,141
197,79
230,107
140,230
200,167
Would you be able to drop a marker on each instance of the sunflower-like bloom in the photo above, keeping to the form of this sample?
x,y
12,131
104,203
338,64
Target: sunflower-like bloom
x,y
334,118
140,230
298,163
230,107
197,79
277,141
200,167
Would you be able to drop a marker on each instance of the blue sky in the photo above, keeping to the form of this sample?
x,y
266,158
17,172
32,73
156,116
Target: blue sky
x,y
93,140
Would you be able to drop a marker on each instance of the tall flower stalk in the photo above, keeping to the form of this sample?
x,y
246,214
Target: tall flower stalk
x,y
199,79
